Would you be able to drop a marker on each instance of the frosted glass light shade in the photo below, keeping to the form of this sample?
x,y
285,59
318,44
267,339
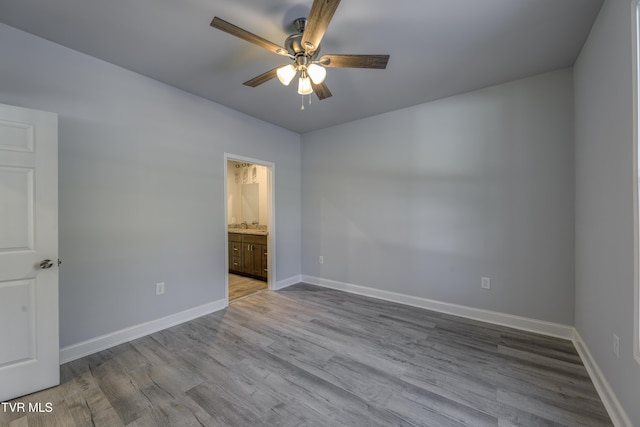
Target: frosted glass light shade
x,y
304,86
286,74
317,73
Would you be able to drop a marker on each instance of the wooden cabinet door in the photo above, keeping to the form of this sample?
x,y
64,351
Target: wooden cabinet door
x,y
257,253
247,258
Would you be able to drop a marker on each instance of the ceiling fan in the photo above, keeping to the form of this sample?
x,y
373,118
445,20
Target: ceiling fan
x,y
303,48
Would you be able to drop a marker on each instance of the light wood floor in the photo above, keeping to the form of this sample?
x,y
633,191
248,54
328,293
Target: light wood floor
x,y
308,356
240,286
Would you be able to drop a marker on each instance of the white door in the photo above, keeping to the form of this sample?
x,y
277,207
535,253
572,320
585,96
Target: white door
x,y
29,347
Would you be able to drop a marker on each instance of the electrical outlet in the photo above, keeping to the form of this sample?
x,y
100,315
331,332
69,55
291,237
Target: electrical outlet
x,y
485,283
160,288
321,259
616,345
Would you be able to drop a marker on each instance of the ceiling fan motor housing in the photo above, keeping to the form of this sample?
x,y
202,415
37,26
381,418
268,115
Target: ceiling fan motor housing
x,y
293,43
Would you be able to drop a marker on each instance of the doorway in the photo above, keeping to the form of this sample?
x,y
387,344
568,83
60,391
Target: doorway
x,y
250,232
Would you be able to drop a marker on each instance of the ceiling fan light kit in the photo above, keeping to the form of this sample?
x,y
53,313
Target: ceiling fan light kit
x,y
312,71
317,73
304,84
286,74
303,48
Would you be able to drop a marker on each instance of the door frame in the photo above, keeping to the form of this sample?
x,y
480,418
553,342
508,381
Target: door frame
x,y
271,206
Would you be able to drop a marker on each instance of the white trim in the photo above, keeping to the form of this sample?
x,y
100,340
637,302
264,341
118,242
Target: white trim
x,y
281,284
636,176
226,228
103,342
517,322
271,237
611,403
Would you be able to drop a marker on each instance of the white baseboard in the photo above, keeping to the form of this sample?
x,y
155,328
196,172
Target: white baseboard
x,y
286,282
618,416
85,348
517,322
103,342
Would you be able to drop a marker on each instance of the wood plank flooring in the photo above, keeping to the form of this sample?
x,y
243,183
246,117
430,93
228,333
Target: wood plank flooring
x,y
240,286
308,356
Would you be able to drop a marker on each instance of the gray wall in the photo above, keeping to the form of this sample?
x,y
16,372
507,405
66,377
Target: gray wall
x,y
141,185
604,200
424,201
421,201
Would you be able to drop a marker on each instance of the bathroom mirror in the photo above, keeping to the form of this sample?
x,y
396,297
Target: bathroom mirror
x,y
249,205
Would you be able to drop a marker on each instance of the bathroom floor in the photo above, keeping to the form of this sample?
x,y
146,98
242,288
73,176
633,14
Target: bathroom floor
x,y
240,286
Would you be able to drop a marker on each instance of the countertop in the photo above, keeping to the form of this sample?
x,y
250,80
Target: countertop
x,y
249,231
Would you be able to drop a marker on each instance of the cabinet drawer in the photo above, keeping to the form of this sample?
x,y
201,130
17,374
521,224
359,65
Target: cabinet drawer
x,y
235,248
251,238
235,237
235,263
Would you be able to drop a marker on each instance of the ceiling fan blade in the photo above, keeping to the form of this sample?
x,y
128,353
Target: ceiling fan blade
x,y
319,17
262,78
234,30
355,61
321,90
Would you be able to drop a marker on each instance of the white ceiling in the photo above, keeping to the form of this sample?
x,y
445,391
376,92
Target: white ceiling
x,y
438,48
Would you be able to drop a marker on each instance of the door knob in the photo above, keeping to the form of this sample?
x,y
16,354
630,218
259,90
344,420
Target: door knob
x,y
46,264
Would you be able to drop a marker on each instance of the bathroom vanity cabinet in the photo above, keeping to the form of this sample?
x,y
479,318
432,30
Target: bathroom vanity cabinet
x,y
248,255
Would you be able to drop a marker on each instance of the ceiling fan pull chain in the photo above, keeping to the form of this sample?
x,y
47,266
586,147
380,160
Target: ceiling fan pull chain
x,y
302,103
